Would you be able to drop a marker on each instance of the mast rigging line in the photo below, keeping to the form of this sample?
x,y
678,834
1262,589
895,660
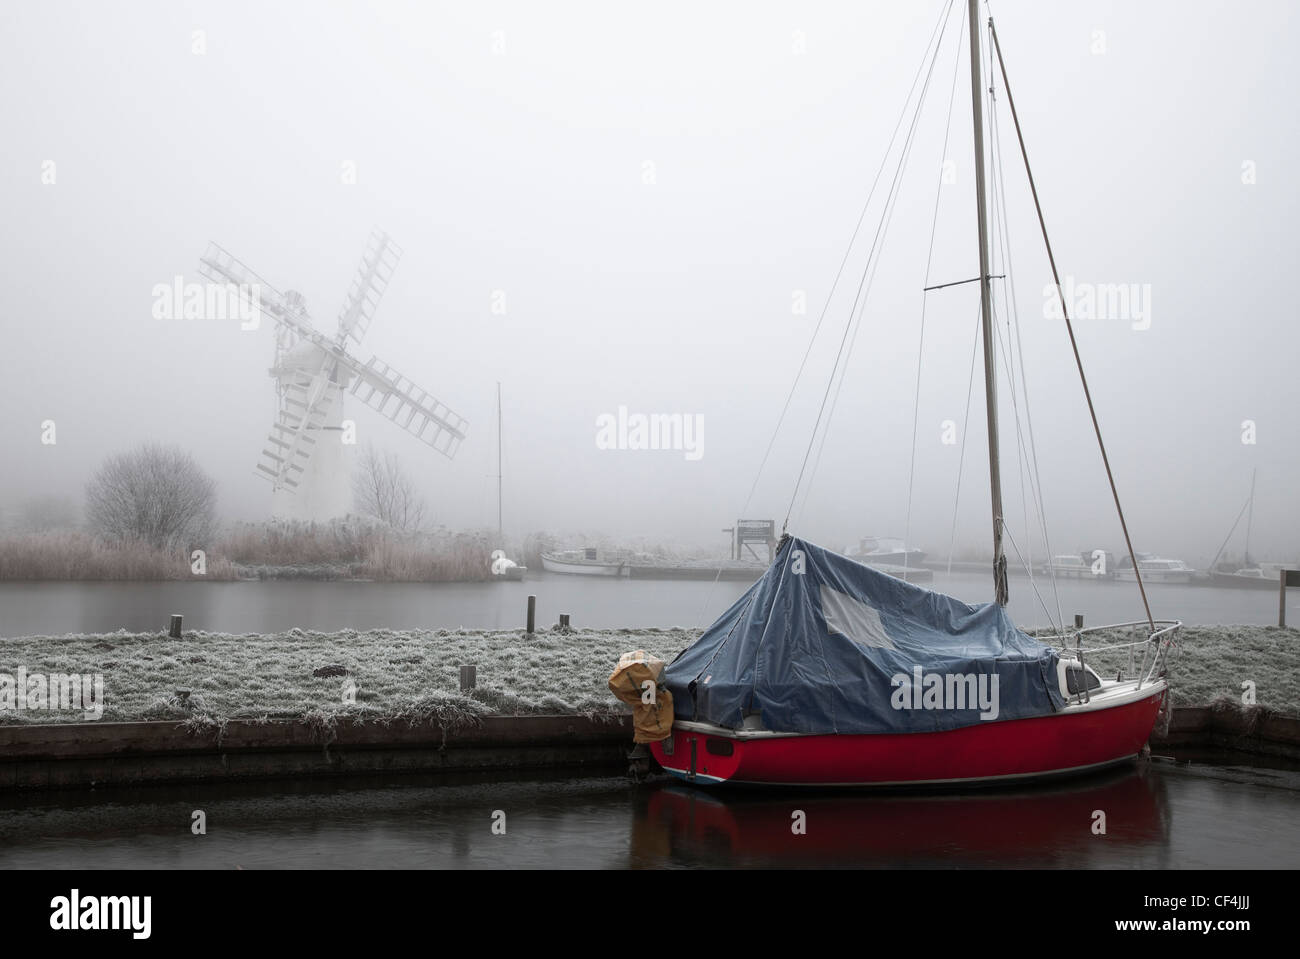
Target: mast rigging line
x,y
1001,217
1250,518
1249,500
1032,585
859,301
845,259
840,372
1026,558
860,305
929,261
941,22
965,424
1074,345
1027,460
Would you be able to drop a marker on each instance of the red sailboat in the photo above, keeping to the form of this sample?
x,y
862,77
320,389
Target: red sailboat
x,y
829,673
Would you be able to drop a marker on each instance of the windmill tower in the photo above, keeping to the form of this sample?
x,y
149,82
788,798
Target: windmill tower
x,y
304,455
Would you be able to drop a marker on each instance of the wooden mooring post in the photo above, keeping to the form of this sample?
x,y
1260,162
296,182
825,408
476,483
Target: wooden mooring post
x,y
468,677
174,631
532,612
564,621
1288,577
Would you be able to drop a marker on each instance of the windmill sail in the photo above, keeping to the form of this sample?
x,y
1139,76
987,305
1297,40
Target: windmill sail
x,y
219,266
386,391
303,455
376,269
304,410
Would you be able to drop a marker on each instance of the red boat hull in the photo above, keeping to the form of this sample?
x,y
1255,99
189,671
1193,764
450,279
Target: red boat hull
x,y
1070,741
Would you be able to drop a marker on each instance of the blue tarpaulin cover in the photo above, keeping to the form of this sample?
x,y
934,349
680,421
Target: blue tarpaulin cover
x,y
822,644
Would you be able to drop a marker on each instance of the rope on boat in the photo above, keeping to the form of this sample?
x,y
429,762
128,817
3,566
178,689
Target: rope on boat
x,y
1059,628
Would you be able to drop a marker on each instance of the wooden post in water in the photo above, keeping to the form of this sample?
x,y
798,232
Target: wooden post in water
x,y
1078,620
174,632
532,612
564,620
468,677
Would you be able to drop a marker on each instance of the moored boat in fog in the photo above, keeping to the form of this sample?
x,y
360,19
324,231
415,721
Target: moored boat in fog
x,y
827,672
590,561
1154,569
884,551
1263,576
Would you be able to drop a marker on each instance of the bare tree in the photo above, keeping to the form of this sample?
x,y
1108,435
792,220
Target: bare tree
x,y
384,491
154,494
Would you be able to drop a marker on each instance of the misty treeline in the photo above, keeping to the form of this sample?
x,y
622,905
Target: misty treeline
x,y
151,513
147,510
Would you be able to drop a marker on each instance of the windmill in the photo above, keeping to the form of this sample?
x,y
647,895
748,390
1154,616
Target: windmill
x,y
303,458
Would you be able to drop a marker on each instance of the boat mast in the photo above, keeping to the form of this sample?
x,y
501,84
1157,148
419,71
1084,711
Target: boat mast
x,y
1250,518
500,527
986,311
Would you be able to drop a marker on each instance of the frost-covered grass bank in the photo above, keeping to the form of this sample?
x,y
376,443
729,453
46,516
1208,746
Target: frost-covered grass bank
x,y
417,671
391,672
1210,662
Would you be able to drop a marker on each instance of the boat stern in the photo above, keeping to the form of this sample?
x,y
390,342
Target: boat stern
x,y
699,757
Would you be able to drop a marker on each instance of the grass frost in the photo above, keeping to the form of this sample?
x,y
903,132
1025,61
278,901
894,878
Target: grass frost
x,y
414,675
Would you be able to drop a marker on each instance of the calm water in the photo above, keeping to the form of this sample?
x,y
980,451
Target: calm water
x,y
1160,815
254,607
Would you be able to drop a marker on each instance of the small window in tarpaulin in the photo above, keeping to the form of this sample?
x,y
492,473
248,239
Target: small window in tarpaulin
x,y
855,619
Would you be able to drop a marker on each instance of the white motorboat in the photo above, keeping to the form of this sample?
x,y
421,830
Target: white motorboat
x,y
1155,569
884,550
588,562
1069,566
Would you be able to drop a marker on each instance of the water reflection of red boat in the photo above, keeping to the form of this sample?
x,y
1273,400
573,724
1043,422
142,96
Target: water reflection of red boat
x,y
1027,827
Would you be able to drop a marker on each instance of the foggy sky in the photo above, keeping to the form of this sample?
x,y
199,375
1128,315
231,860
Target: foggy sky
x,y
504,147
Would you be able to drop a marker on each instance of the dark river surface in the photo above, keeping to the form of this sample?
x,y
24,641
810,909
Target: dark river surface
x,y
1206,813
1161,814
53,609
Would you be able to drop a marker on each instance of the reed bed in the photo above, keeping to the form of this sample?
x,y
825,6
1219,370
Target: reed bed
x,y
453,557
341,550
74,555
